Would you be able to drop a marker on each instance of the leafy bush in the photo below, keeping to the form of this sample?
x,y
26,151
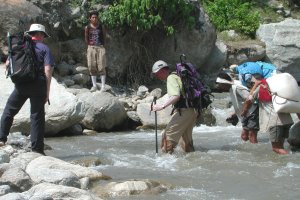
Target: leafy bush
x,y
146,14
235,15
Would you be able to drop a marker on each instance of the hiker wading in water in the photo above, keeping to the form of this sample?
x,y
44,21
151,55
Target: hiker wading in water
x,y
238,94
183,118
277,125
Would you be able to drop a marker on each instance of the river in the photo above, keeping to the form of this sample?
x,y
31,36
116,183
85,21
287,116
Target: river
x,y
223,167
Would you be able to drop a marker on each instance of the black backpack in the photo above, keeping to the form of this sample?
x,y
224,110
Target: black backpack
x,y
23,65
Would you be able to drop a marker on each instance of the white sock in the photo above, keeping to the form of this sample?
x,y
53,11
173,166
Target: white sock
x,y
94,81
102,81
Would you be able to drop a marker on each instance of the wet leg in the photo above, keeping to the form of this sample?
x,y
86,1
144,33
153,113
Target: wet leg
x,y
278,148
253,136
245,135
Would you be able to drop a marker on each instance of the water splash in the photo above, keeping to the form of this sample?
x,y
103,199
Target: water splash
x,y
286,170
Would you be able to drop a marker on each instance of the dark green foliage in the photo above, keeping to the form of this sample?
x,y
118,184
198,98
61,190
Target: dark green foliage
x,y
143,15
235,15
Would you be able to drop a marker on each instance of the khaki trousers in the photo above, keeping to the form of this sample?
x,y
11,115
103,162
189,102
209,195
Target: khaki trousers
x,y
180,127
96,60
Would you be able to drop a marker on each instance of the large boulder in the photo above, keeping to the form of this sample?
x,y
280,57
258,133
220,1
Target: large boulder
x,y
217,57
51,191
65,109
124,50
247,50
294,136
283,44
196,43
17,178
103,112
53,170
147,117
74,49
13,10
131,187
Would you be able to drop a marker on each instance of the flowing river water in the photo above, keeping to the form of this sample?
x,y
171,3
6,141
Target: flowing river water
x,y
223,167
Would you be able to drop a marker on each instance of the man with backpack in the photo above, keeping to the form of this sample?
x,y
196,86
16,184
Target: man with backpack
x,y
37,91
183,117
96,54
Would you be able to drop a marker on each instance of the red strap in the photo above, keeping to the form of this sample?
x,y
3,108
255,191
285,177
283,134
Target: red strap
x,y
264,94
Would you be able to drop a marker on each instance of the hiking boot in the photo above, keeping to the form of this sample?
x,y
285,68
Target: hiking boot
x,y
2,143
93,89
40,152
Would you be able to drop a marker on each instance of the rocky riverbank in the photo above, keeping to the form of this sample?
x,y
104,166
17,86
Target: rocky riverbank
x,y
81,111
27,175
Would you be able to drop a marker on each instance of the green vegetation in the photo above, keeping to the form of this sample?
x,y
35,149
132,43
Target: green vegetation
x,y
144,15
148,16
235,15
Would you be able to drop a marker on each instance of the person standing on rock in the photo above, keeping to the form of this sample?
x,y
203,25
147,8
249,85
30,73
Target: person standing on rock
x,y
95,35
183,118
37,91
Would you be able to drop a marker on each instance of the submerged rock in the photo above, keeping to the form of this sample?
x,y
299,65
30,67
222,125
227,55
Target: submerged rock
x,y
131,187
294,137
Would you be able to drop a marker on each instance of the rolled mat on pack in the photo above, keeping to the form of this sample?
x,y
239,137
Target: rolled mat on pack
x,y
285,93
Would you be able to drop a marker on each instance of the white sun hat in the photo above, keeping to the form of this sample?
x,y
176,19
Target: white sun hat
x,y
158,65
38,28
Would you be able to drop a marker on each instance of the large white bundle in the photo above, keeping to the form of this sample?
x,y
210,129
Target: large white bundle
x,y
285,93
285,86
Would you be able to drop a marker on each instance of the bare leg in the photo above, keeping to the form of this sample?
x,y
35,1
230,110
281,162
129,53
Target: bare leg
x,y
166,146
278,148
245,135
163,144
253,136
187,146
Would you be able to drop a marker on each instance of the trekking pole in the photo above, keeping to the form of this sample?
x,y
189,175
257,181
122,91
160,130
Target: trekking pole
x,y
11,69
156,142
182,56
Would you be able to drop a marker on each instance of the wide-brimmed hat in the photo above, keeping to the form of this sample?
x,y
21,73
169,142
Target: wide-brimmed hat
x,y
158,65
38,28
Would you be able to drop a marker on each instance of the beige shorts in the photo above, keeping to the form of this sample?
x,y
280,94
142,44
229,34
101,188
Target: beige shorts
x,y
181,127
96,60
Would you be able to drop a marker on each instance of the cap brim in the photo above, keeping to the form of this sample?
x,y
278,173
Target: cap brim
x,y
154,72
221,80
46,34
168,66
